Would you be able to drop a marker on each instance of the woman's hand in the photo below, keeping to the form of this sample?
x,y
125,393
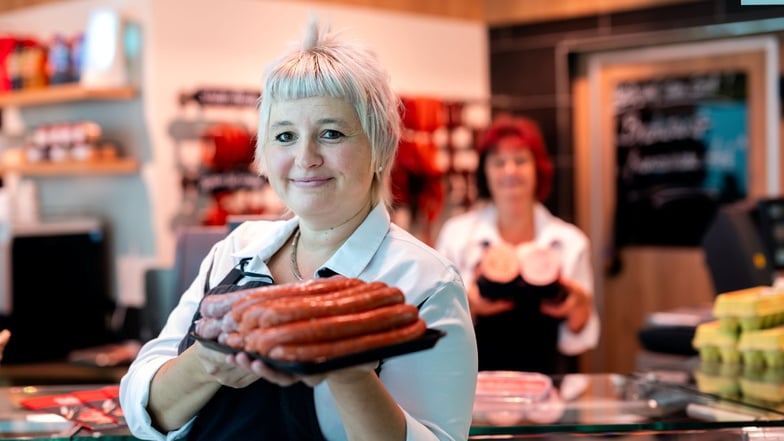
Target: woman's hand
x,y
481,306
575,308
223,369
258,369
184,384
261,370
5,336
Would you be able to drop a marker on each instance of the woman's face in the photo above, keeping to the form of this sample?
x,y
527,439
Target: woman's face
x,y
511,172
318,158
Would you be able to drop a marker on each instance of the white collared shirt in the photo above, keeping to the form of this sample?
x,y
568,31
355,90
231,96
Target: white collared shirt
x,y
435,388
463,239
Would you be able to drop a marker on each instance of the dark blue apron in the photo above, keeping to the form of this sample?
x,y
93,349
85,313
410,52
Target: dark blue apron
x,y
260,411
522,339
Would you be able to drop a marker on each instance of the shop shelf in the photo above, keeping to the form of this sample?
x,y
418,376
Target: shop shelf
x,y
117,166
64,93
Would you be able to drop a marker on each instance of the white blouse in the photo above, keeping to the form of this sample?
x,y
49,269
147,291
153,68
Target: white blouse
x,y
435,388
463,239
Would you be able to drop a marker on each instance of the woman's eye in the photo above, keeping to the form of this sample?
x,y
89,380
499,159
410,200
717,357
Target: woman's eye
x,y
497,162
331,134
284,137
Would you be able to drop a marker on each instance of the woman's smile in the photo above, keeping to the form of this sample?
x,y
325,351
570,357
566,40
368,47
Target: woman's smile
x,y
310,182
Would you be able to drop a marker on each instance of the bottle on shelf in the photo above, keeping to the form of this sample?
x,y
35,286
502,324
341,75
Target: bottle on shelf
x,y
58,62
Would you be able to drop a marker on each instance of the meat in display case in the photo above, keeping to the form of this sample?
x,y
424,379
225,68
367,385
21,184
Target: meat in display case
x,y
525,405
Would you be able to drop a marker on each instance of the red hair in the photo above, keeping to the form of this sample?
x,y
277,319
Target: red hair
x,y
530,135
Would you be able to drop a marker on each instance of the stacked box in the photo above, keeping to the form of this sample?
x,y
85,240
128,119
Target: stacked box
x,y
764,347
749,328
750,309
716,343
742,350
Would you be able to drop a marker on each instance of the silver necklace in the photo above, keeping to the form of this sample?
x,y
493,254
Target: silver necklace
x,y
294,266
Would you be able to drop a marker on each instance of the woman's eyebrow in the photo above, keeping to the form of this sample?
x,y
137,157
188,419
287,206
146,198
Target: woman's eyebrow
x,y
321,121
331,120
281,124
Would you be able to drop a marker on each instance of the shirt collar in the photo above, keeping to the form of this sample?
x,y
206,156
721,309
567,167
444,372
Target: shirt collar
x,y
356,252
349,260
544,224
264,247
487,226
542,218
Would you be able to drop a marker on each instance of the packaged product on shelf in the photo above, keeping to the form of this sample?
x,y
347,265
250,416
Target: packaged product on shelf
x,y
59,143
85,136
37,149
59,61
77,43
32,66
13,66
7,45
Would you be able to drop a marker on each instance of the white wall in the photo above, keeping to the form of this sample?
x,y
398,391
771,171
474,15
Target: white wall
x,y
194,43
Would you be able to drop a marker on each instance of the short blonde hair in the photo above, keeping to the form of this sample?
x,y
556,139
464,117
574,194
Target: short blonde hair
x,y
326,66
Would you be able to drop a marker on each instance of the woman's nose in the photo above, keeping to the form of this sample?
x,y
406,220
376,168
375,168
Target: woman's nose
x,y
309,155
509,167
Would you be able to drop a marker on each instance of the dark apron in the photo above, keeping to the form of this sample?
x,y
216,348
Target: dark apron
x,y
522,339
260,411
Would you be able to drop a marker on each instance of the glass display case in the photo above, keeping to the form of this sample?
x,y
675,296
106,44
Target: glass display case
x,y
19,423
672,405
582,407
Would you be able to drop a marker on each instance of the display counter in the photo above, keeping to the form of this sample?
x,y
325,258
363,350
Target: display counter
x,y
20,423
578,406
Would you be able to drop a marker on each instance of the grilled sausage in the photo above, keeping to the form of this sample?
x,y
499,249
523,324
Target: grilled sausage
x,y
228,324
323,329
279,313
294,289
233,339
326,350
218,305
208,327
251,319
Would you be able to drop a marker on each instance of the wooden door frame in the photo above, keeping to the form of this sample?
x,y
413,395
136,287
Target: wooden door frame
x,y
594,142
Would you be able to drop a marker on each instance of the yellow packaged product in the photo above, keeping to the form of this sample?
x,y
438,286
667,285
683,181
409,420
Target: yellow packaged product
x,y
715,344
763,347
750,309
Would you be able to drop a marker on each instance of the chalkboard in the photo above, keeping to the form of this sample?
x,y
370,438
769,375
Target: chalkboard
x,y
682,149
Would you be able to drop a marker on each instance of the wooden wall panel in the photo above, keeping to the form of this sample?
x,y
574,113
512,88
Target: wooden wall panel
x,y
493,12
463,9
8,5
506,12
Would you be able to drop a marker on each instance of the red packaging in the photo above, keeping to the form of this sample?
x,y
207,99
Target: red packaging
x,y
7,45
74,409
113,393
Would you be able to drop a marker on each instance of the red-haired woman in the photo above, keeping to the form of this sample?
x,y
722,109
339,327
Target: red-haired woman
x,y
528,273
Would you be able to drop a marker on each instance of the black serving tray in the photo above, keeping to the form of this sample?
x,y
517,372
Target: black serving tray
x,y
426,341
